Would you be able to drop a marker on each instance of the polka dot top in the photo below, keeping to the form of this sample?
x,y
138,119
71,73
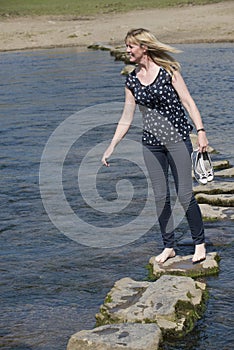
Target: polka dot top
x,y
164,118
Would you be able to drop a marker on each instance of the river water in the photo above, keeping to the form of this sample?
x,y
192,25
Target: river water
x,y
52,285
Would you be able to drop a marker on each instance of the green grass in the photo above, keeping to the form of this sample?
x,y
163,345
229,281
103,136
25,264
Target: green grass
x,y
85,7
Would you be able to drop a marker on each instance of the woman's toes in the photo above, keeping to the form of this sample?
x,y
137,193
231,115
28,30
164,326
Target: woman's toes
x,y
165,255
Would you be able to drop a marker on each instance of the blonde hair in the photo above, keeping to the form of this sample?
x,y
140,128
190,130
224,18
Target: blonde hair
x,y
157,51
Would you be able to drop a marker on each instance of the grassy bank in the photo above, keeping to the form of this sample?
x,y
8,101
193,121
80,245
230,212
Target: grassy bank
x,y
85,7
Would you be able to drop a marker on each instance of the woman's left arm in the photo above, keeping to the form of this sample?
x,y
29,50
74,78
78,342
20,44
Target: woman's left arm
x,y
190,106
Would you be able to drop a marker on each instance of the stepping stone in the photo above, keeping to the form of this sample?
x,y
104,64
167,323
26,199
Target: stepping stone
x,y
128,336
173,302
193,138
225,173
215,187
182,265
223,200
127,69
211,213
221,164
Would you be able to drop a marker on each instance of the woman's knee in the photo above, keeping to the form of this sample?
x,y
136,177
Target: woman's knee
x,y
186,198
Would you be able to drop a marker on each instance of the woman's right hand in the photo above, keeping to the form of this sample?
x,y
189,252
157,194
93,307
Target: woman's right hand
x,y
107,154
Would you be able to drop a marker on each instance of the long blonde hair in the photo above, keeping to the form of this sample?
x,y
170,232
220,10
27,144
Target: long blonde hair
x,y
156,50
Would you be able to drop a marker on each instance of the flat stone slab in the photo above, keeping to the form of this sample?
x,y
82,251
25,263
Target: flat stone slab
x,y
221,164
215,187
223,200
225,173
127,69
211,213
173,302
216,200
128,336
100,46
120,54
183,265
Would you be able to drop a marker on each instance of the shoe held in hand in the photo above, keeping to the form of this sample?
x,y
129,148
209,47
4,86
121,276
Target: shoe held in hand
x,y
202,167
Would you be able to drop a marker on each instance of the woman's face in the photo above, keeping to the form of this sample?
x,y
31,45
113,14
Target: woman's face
x,y
135,52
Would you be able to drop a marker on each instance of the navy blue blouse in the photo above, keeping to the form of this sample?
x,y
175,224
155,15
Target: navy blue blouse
x,y
164,118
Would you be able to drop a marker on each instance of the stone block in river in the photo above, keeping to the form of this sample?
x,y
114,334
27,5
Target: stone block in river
x,y
100,46
225,173
221,164
193,138
216,200
182,265
174,303
120,55
117,336
215,188
127,69
214,213
222,200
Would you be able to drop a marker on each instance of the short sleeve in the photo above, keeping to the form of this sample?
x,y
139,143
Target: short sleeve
x,y
167,76
129,82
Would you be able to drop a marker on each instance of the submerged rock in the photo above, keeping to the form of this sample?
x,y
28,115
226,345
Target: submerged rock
x,y
173,302
117,336
100,46
215,236
183,265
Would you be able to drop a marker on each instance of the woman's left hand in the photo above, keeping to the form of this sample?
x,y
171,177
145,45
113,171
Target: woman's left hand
x,y
202,141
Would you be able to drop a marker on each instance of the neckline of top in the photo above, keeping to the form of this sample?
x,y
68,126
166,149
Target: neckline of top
x,y
146,85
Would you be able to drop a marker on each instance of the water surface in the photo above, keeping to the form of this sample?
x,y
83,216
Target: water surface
x,y
52,286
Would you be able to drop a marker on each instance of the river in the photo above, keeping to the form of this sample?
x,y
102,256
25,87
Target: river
x,y
52,285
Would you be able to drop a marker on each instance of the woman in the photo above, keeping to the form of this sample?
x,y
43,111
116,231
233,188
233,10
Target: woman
x,y
157,86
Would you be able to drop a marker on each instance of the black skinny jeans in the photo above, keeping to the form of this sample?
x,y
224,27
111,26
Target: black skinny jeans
x,y
177,156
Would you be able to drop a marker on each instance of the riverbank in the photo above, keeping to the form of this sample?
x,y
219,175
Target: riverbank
x,y
187,24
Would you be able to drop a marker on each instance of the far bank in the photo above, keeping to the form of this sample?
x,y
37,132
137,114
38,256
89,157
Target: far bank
x,y
189,24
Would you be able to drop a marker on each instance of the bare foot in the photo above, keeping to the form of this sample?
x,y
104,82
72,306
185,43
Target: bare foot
x,y
200,253
167,253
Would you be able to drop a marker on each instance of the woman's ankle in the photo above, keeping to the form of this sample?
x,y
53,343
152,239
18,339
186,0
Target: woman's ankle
x,y
200,253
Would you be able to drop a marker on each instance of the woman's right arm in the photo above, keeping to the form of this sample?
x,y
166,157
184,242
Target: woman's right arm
x,y
123,125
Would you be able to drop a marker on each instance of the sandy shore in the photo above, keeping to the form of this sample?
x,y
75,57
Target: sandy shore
x,y
188,24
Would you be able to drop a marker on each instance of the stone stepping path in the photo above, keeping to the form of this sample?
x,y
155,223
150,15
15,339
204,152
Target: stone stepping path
x,y
139,315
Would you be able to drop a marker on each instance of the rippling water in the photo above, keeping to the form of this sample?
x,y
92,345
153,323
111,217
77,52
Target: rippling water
x,y
52,286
